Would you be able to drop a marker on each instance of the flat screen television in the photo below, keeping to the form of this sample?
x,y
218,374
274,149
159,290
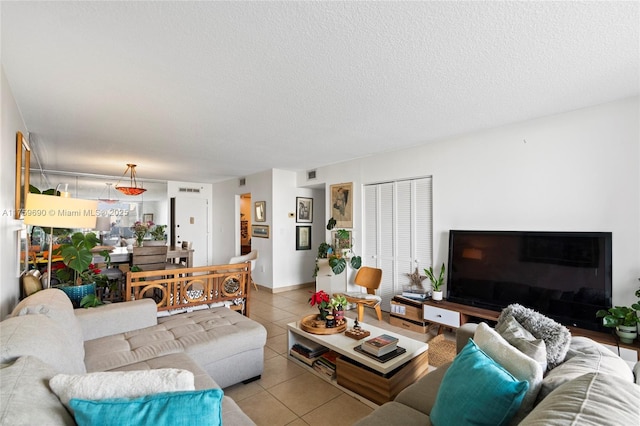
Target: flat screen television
x,y
564,275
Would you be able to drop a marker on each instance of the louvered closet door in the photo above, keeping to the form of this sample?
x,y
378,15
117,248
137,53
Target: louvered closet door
x,y
398,232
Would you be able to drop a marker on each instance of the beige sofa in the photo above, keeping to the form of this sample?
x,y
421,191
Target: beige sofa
x,y
45,336
593,386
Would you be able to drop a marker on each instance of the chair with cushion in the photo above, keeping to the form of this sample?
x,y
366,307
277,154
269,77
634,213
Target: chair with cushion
x,y
252,256
370,279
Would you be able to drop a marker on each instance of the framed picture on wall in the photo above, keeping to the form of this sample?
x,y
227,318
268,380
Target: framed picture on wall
x,y
147,217
260,211
23,160
304,210
303,238
342,204
260,231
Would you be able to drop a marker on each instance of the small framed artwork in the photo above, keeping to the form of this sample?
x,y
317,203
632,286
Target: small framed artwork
x,y
303,238
260,231
260,211
304,210
342,204
147,217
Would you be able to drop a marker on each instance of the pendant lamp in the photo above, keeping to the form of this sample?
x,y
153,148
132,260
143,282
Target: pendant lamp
x,y
133,188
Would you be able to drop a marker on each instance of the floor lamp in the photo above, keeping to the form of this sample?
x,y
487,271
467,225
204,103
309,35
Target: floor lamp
x,y
59,212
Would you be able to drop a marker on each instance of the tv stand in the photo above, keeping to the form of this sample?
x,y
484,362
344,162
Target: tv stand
x,y
453,315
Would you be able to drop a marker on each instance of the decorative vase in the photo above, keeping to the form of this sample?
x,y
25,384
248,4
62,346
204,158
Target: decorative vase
x,y
139,242
323,314
338,313
77,292
436,295
627,333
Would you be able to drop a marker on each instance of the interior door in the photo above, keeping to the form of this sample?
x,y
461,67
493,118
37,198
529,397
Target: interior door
x,y
398,232
189,223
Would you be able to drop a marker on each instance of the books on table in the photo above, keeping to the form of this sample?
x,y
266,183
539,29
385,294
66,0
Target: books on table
x,y
306,350
380,345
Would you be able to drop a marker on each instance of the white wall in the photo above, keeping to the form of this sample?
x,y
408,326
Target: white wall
x,y
10,123
226,222
577,171
279,264
292,267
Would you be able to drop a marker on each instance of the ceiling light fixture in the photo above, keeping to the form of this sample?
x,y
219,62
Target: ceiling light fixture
x,y
133,189
108,200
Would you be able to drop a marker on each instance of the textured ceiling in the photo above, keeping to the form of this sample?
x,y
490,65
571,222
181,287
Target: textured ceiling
x,y
205,91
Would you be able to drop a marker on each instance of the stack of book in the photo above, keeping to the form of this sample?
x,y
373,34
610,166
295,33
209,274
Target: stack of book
x,y
415,294
326,364
307,351
381,345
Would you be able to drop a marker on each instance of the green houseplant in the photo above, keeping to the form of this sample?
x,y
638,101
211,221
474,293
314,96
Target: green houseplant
x,y
337,260
157,233
79,276
338,303
623,318
436,283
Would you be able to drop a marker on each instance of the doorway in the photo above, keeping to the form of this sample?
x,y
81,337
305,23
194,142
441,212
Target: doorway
x,y
245,223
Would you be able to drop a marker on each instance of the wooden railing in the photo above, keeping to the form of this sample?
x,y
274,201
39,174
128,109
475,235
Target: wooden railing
x,y
190,287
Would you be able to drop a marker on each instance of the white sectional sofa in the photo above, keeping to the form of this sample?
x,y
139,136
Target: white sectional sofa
x,y
45,336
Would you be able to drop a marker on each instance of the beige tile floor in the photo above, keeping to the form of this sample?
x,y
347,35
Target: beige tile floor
x,y
287,393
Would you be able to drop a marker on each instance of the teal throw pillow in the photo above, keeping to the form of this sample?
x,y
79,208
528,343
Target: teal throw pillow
x,y
476,390
185,408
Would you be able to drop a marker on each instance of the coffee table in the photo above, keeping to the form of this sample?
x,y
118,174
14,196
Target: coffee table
x,y
377,382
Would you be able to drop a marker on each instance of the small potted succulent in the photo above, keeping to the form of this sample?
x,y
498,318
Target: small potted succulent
x,y
436,283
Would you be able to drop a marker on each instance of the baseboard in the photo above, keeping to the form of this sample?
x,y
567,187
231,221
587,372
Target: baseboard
x,y
289,288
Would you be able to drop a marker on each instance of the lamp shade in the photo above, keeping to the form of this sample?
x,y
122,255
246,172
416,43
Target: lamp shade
x,y
60,212
103,223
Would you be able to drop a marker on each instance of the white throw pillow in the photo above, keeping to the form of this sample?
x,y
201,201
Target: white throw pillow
x,y
515,362
120,384
521,338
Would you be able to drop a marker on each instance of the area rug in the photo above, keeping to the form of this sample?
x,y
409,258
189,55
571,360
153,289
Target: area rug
x,y
441,350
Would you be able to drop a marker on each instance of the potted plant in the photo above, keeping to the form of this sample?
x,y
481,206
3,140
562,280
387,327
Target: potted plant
x,y
624,319
342,251
436,283
322,300
79,276
157,236
337,256
338,303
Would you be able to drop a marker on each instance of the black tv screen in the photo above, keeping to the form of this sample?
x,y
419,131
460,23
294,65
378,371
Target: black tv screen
x,y
564,275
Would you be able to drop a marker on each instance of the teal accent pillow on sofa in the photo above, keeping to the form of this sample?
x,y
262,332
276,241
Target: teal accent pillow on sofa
x,y
202,408
477,390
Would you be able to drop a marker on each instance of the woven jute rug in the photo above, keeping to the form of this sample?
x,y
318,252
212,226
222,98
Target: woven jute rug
x,y
441,350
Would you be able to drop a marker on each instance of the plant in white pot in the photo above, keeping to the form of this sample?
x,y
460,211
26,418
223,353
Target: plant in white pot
x,y
624,319
436,283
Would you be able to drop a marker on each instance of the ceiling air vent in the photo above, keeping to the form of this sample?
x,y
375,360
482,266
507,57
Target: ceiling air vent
x,y
311,174
243,181
191,190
